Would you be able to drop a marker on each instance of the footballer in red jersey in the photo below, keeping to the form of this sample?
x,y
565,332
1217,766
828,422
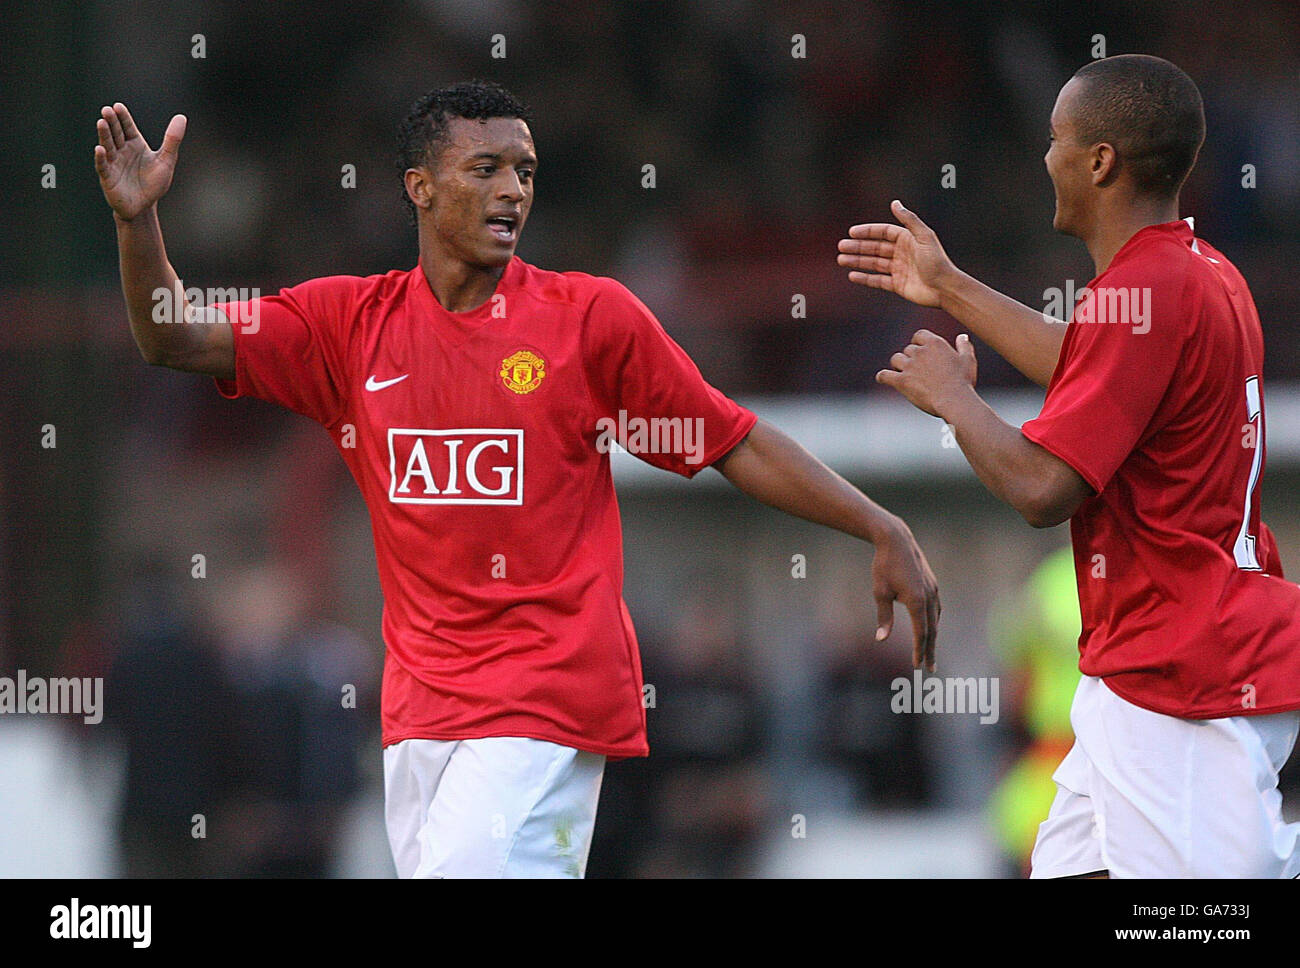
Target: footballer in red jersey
x,y
1151,443
475,399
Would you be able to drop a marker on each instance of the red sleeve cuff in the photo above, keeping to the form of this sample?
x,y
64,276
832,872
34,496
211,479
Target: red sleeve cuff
x,y
1054,448
230,389
746,423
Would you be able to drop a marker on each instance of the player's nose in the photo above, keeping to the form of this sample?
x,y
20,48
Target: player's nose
x,y
512,187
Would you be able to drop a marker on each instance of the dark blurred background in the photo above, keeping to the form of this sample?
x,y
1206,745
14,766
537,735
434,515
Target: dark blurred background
x,y
223,690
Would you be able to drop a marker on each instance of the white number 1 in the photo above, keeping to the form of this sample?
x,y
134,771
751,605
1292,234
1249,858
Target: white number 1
x,y
1244,550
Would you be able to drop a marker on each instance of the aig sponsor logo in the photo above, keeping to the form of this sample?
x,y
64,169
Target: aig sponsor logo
x,y
471,466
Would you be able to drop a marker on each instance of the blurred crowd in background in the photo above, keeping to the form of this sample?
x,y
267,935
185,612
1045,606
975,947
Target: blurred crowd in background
x,y
225,692
762,159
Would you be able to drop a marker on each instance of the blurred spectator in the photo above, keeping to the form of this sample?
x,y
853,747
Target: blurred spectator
x,y
241,753
301,690
882,755
696,807
1036,634
167,698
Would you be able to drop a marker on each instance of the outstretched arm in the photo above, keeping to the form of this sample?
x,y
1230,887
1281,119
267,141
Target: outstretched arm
x,y
771,468
133,178
908,260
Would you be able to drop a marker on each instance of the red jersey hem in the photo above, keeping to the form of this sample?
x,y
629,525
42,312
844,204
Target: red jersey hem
x,y
612,752
1231,711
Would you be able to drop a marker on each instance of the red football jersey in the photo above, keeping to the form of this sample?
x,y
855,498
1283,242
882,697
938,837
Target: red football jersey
x,y
1157,401
480,443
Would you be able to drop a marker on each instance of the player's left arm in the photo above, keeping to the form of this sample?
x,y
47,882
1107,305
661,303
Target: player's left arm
x,y
940,380
772,468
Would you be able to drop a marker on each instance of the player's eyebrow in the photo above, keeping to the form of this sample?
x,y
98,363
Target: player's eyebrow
x,y
527,159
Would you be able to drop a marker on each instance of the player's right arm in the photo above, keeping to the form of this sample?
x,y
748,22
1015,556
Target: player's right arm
x,y
909,261
133,178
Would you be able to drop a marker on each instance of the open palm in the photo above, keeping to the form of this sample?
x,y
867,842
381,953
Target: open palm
x,y
905,259
132,175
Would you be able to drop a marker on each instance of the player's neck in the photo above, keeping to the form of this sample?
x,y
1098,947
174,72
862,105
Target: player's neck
x,y
1117,225
458,286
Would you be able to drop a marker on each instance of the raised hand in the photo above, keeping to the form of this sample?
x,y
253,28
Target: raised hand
x,y
905,259
132,175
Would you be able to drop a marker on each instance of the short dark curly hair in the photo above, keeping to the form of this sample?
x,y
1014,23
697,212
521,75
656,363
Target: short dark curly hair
x,y
423,132
1150,111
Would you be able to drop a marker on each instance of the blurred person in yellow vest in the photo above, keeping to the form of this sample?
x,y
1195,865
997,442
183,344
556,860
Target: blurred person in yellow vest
x,y
1035,633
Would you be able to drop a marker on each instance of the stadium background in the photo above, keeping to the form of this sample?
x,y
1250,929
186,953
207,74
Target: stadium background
x,y
775,752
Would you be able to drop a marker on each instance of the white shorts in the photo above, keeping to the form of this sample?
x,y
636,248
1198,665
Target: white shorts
x,y
1141,794
495,807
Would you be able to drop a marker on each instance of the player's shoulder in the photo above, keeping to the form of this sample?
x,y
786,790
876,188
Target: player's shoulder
x,y
1156,256
1188,283
393,284
1212,271
1158,267
1189,274
579,289
352,288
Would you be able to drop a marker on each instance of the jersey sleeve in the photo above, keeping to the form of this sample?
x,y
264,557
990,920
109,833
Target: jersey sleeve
x,y
1115,369
287,347
649,392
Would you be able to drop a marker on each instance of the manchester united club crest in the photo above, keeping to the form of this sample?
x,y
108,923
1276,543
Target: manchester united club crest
x,y
523,372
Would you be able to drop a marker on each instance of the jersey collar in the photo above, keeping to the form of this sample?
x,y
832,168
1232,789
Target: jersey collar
x,y
1181,229
458,326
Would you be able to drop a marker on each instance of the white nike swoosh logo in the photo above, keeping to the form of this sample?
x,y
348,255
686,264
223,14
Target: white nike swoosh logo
x,y
373,384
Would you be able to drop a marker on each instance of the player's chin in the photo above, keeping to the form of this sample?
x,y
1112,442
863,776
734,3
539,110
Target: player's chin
x,y
503,249
1059,221
497,254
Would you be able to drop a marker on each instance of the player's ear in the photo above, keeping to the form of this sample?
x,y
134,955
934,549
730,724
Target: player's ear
x,y
419,187
1104,164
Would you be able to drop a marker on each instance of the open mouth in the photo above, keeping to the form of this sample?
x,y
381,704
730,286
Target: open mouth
x,y
504,227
